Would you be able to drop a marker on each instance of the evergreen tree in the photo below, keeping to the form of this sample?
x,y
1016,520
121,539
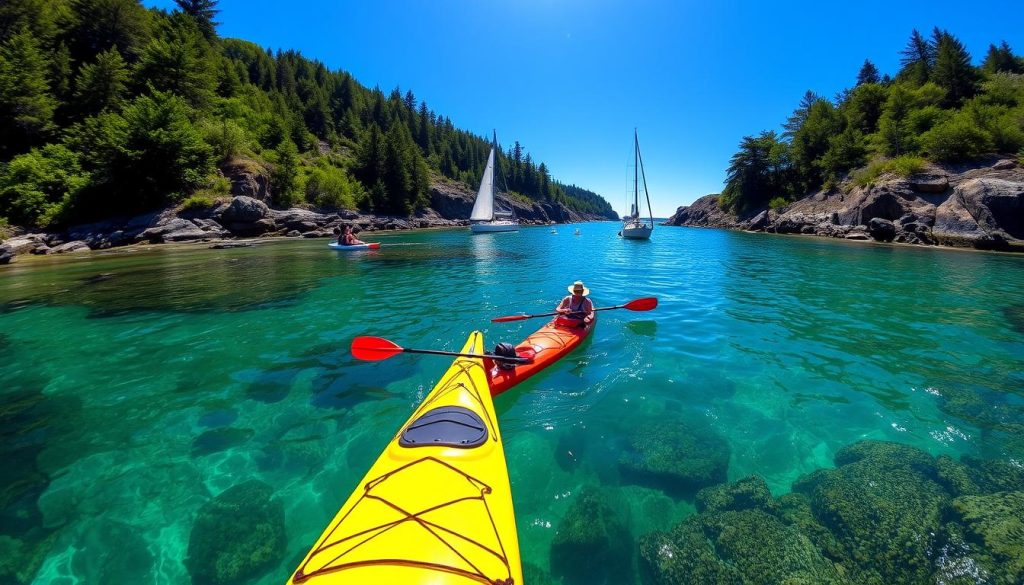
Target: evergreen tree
x,y
916,59
284,182
798,116
894,125
26,101
102,84
203,11
1002,60
756,174
147,156
864,107
101,24
180,62
811,141
953,70
868,73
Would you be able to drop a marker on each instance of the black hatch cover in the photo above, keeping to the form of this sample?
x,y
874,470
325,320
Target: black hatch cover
x,y
446,426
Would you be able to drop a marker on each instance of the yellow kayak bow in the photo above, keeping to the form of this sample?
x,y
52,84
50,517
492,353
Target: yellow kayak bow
x,y
436,506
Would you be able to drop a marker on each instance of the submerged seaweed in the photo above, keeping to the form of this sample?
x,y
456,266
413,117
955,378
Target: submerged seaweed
x,y
888,513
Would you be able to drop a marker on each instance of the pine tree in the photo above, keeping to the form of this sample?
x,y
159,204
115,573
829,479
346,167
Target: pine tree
x,y
953,70
100,85
423,133
916,59
798,116
868,73
203,11
1001,60
100,24
26,101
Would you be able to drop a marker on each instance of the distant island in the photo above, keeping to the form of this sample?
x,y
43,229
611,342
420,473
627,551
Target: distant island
x,y
931,156
116,119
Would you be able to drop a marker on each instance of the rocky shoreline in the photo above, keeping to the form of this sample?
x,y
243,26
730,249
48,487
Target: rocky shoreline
x,y
979,205
246,215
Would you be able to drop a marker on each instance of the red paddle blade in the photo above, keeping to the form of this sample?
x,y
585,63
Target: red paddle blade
x,y
510,318
644,304
373,349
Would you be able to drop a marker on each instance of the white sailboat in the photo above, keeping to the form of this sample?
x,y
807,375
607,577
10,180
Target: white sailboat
x,y
633,227
484,218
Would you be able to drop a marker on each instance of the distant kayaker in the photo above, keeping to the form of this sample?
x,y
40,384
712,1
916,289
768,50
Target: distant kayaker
x,y
576,308
347,238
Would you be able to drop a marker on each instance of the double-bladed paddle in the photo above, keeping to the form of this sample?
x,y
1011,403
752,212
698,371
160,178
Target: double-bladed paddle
x,y
375,349
644,304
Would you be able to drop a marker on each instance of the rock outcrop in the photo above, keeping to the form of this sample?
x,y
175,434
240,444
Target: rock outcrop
x,y
247,215
979,205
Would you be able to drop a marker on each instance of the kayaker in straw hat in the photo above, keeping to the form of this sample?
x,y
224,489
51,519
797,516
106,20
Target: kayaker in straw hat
x,y
576,308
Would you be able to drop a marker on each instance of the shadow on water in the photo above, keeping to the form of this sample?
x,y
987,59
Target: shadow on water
x,y
644,328
340,382
197,280
1015,317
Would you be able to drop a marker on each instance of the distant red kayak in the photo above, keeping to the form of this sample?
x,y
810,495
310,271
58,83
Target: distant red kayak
x,y
544,347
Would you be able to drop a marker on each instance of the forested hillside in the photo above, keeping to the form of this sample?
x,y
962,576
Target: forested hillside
x,y
109,108
938,107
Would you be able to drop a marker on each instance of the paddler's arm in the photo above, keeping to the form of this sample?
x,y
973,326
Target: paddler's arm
x,y
563,306
590,311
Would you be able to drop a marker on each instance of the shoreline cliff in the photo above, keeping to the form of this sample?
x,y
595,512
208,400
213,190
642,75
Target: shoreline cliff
x,y
976,205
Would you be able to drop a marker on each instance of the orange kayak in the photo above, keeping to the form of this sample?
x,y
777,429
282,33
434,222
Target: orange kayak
x,y
543,348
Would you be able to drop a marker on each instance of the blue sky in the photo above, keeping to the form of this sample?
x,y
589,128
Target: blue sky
x,y
570,79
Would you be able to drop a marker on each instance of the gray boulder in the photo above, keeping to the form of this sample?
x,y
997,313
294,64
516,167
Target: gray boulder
x,y
881,230
7,254
70,247
981,211
23,244
244,210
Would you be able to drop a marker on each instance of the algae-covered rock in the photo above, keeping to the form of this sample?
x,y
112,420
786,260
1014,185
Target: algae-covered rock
x,y
534,575
884,504
994,475
748,493
747,547
673,453
237,536
593,544
993,528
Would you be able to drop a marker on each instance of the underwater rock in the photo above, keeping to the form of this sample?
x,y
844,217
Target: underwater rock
x,y
883,503
993,529
237,536
593,528
748,493
534,575
219,439
748,547
20,559
994,475
1015,316
671,453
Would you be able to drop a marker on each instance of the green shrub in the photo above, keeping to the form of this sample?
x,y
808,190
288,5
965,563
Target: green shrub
x,y
901,166
906,165
957,139
926,118
225,137
329,186
778,203
198,201
867,175
36,186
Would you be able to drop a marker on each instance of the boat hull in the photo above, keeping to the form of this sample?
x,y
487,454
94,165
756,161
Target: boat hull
x,y
494,226
637,232
429,512
544,347
354,247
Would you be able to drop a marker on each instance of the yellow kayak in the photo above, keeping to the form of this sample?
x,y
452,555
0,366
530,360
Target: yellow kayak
x,y
436,507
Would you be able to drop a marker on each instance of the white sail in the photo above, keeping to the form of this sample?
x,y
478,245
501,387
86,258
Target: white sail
x,y
483,209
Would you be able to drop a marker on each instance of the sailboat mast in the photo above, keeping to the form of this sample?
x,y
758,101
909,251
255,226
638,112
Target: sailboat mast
x,y
650,212
636,186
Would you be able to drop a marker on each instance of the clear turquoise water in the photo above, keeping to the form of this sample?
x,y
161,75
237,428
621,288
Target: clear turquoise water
x,y
136,386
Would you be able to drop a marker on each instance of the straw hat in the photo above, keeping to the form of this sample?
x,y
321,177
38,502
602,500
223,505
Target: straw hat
x,y
577,287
